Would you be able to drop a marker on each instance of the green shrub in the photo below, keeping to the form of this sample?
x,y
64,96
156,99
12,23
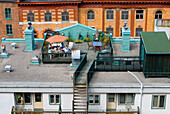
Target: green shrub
x,y
69,39
78,41
87,39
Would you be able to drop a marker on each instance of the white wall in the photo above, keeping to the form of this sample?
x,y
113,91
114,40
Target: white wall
x,y
65,101
101,106
6,102
146,105
134,106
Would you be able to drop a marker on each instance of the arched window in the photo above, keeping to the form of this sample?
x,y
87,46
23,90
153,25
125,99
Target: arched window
x,y
90,14
35,34
65,16
48,16
158,15
49,32
30,17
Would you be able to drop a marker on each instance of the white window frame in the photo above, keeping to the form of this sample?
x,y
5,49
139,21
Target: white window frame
x,y
23,95
90,19
121,15
126,94
94,99
158,102
106,15
140,15
54,99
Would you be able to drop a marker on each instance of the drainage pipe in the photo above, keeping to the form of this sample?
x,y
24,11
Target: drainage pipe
x,y
141,91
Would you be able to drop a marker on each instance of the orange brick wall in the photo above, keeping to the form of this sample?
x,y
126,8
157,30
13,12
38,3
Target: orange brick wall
x,y
14,22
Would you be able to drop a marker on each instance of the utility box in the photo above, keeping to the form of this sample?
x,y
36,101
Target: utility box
x,y
125,39
29,39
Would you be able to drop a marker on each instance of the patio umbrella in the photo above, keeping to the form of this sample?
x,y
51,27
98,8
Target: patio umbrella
x,y
56,38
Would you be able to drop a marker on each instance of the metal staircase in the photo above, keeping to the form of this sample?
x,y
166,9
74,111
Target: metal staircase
x,y
80,97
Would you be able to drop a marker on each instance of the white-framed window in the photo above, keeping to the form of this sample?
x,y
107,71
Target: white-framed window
x,y
30,17
54,99
109,30
125,15
138,30
94,99
25,96
139,14
90,15
158,101
48,16
65,16
126,98
109,14
158,15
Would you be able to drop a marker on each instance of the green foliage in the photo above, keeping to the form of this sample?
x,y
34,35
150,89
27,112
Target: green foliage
x,y
46,42
69,39
101,38
45,48
87,39
78,41
107,38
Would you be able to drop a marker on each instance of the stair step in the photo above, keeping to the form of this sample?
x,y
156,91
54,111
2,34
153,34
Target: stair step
x,y
81,108
80,98
79,89
80,92
80,95
80,85
80,101
80,105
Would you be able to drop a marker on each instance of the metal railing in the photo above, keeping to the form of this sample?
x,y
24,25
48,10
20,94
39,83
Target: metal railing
x,y
90,72
163,23
79,68
157,74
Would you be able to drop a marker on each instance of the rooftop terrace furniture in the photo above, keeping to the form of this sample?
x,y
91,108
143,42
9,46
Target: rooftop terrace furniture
x,y
89,45
103,44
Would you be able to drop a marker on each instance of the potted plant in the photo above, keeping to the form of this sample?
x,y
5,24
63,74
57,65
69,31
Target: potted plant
x,y
87,39
69,39
78,40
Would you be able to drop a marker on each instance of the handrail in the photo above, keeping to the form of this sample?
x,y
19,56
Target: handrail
x,y
90,71
79,68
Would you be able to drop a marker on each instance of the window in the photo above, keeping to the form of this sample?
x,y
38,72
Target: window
x,y
158,15
109,14
26,97
9,30
158,101
120,31
48,16
90,15
110,30
93,99
35,34
126,98
30,17
138,30
139,14
111,97
65,16
54,99
8,13
37,97
125,15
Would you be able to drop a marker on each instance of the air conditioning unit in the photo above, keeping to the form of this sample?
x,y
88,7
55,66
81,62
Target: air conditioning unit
x,y
13,45
8,68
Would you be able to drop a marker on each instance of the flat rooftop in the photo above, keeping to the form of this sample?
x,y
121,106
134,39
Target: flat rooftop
x,y
23,72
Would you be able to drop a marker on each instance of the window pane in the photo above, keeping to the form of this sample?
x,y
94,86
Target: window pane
x,y
51,98
91,99
122,98
37,97
27,97
18,98
110,30
111,97
155,101
161,102
30,16
96,99
129,98
57,99
90,14
125,15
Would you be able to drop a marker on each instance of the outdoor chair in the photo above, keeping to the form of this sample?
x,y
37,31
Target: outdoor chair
x,y
103,44
89,45
70,45
97,48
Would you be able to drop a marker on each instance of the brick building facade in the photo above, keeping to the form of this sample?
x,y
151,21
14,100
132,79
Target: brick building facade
x,y
9,18
104,15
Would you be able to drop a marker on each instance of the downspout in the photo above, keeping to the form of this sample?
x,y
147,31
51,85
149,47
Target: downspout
x,y
141,91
